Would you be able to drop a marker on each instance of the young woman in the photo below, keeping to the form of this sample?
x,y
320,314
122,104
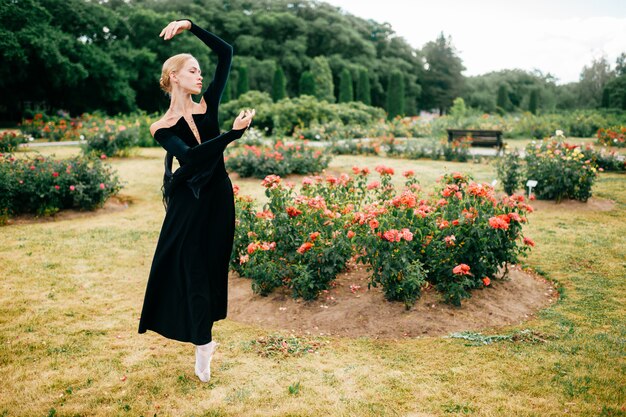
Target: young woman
x,y
188,282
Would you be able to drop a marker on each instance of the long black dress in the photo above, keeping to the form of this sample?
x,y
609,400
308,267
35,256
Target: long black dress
x,y
188,284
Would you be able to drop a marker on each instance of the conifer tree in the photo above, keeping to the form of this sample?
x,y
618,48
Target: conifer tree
x,y
323,76
502,100
346,92
395,95
279,85
363,89
243,81
533,102
306,85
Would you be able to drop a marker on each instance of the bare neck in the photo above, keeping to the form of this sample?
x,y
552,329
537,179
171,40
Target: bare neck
x,y
181,103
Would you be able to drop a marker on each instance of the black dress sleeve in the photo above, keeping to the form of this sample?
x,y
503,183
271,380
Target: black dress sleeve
x,y
198,154
224,52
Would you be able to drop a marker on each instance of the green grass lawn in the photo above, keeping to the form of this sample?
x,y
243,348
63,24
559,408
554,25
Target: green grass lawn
x,y
71,293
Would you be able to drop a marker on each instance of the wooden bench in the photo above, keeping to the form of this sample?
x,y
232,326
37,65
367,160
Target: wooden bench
x,y
479,137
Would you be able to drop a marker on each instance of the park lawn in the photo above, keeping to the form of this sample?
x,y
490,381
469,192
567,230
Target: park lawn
x,y
71,294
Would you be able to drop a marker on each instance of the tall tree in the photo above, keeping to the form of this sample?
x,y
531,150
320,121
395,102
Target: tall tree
x,y
395,95
593,78
442,80
616,92
279,86
363,89
323,78
243,81
502,102
306,85
346,92
533,101
620,65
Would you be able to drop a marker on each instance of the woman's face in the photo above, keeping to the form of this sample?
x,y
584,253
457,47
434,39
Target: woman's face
x,y
189,77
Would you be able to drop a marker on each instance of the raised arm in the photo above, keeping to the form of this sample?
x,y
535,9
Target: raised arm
x,y
224,52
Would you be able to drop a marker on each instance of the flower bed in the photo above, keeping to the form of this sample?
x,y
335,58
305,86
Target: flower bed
x,y
110,137
612,136
9,141
51,128
279,159
43,186
456,240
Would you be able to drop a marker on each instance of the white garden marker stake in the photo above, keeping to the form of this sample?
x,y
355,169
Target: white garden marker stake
x,y
530,184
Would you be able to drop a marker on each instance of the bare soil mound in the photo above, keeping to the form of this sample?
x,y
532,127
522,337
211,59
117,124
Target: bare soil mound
x,y
351,310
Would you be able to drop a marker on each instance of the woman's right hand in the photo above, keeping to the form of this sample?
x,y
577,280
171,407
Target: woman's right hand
x,y
243,120
175,28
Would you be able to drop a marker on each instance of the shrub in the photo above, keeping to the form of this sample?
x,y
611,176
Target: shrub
x,y
51,128
279,159
456,240
355,147
457,150
612,136
606,160
42,185
289,114
110,137
9,141
560,169
510,171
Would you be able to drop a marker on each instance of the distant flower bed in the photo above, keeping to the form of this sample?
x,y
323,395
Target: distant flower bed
x,y
51,128
110,137
9,141
99,134
279,159
562,170
455,240
612,136
580,123
43,186
457,150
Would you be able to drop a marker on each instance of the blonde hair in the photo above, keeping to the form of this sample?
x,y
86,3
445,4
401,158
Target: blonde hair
x,y
172,64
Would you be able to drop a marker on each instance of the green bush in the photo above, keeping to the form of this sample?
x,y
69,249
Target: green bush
x,y
110,137
42,185
560,169
510,171
289,114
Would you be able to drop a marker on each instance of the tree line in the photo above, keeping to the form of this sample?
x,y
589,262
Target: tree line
x,y
80,55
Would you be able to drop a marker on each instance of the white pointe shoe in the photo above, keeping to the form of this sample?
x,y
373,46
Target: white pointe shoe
x,y
205,374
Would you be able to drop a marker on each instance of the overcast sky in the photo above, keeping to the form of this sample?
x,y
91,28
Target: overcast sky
x,y
555,36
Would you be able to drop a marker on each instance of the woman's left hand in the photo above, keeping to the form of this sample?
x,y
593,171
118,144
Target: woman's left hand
x,y
174,28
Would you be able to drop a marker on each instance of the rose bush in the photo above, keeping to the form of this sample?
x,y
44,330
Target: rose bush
x,y
279,159
612,136
43,186
561,169
110,137
9,141
302,240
